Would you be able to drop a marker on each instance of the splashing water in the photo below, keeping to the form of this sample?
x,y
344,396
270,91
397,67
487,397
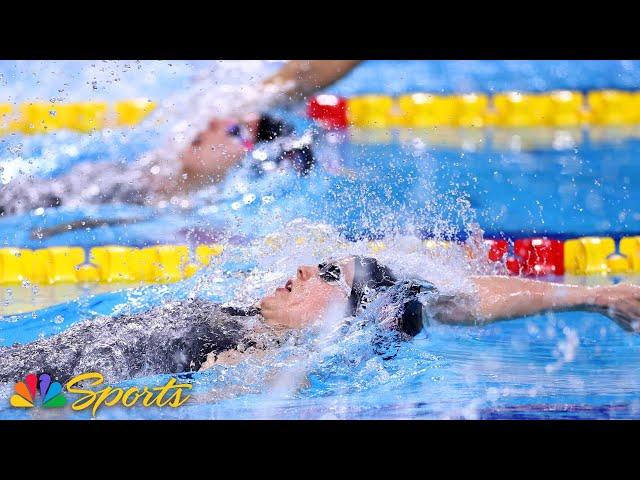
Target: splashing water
x,y
228,90
333,370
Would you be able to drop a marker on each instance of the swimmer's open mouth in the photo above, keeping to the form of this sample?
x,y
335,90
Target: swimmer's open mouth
x,y
287,287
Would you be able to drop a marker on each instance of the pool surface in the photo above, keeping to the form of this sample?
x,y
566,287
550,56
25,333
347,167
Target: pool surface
x,y
396,185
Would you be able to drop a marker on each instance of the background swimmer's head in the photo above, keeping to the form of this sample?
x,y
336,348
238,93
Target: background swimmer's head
x,y
344,287
215,149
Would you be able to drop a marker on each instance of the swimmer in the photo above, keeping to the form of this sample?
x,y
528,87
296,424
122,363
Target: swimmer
x,y
206,161
192,335
150,179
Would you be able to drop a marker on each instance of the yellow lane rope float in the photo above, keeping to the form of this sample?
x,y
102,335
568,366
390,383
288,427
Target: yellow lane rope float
x,y
507,110
561,108
172,263
85,117
108,264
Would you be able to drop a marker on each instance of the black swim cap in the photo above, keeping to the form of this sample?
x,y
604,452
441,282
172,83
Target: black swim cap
x,y
276,139
371,277
270,128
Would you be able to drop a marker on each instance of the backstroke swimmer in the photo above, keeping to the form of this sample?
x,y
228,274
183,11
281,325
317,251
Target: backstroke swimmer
x,y
204,162
192,335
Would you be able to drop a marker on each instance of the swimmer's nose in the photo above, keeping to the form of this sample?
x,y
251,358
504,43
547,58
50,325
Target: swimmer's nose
x,y
197,141
305,272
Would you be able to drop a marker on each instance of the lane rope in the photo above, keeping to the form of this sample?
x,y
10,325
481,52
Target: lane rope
x,y
559,108
532,256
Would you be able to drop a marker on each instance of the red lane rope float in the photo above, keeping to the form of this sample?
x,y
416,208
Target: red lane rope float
x,y
329,110
582,256
532,256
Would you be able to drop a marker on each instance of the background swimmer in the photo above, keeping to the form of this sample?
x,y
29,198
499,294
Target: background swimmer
x,y
150,178
205,161
194,334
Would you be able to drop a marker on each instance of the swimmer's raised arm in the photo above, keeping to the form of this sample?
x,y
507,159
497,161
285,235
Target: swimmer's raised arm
x,y
214,152
504,298
299,78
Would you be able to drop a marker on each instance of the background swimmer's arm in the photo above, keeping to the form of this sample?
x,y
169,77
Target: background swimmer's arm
x,y
503,298
299,78
214,152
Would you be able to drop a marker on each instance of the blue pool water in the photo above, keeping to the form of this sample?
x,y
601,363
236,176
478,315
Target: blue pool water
x,y
569,365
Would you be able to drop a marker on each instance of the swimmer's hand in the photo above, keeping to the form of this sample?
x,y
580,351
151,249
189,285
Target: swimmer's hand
x,y
228,358
621,303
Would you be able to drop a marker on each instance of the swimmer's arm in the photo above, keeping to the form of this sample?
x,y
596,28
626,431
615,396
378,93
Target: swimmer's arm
x,y
299,78
503,298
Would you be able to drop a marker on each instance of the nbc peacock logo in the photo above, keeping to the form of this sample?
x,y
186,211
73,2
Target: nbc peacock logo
x,y
50,392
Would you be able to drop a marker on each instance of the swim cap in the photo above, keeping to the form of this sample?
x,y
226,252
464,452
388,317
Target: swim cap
x,y
368,277
270,128
372,278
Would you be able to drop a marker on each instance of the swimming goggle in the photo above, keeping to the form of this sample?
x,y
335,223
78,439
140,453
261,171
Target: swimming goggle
x,y
331,272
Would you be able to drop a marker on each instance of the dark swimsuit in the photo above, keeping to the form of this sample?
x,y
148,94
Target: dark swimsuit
x,y
173,338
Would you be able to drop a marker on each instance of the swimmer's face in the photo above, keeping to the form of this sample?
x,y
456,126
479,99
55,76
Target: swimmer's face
x,y
306,298
214,150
